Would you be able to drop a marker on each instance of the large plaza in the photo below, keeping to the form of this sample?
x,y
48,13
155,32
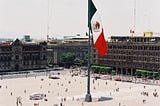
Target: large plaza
x,y
70,90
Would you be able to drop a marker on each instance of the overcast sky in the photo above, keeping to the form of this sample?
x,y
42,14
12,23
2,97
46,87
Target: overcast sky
x,y
69,17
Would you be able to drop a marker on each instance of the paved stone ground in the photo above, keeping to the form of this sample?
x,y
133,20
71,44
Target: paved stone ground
x,y
73,89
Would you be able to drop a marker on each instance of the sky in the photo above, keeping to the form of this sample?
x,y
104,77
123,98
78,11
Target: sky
x,y
69,17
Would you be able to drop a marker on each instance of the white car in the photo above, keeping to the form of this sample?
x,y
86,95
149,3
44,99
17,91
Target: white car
x,y
36,96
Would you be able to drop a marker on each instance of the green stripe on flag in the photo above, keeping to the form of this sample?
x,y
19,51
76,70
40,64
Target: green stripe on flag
x,y
91,10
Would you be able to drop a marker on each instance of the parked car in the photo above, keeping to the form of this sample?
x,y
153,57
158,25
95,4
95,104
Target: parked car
x,y
36,96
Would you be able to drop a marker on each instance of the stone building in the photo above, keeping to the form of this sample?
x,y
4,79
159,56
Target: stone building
x,y
16,55
126,54
78,46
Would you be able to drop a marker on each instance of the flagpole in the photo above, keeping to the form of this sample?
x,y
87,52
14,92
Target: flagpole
x,y
88,97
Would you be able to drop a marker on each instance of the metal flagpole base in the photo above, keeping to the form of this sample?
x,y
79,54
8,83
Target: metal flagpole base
x,y
88,98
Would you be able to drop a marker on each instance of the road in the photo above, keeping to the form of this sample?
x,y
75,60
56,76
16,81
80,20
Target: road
x,y
34,73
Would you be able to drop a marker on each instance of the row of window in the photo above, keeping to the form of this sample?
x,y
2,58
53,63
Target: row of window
x,y
9,49
31,62
34,48
31,57
25,57
71,48
135,47
135,52
8,64
4,64
5,57
5,49
133,58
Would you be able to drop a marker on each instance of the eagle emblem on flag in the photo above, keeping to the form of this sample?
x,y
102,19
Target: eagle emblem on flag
x,y
96,26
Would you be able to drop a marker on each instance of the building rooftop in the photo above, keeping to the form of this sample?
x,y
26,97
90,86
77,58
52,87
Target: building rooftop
x,y
137,39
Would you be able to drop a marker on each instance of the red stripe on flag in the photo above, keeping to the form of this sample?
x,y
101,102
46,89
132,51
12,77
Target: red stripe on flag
x,y
101,44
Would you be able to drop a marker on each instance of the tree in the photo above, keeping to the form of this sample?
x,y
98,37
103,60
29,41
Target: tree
x,y
101,69
68,58
85,60
146,73
78,61
155,75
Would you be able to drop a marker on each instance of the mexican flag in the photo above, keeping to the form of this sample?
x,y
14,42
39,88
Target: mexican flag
x,y
95,26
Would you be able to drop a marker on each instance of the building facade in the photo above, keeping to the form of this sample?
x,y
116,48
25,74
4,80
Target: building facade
x,y
77,46
15,56
126,54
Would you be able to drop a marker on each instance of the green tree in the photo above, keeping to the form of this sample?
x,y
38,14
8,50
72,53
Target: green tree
x,y
68,58
101,69
85,60
78,61
155,74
